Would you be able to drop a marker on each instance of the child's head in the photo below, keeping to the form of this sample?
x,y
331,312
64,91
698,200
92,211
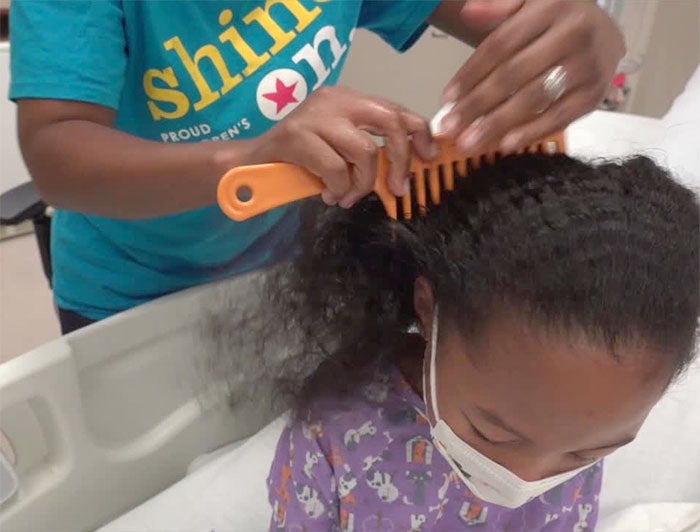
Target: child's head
x,y
567,297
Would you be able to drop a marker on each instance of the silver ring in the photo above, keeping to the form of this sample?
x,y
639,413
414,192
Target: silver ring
x,y
554,83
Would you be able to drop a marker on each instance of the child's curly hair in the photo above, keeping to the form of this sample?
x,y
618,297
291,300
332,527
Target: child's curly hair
x,y
608,249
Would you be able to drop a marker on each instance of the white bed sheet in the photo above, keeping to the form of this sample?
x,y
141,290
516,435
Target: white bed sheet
x,y
651,484
228,493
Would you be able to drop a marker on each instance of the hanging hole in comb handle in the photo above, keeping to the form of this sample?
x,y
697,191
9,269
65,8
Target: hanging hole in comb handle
x,y
244,193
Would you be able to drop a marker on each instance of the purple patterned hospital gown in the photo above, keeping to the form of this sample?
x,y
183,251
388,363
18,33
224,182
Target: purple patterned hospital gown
x,y
366,462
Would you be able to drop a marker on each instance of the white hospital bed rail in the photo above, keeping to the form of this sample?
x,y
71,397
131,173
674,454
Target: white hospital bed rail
x,y
109,416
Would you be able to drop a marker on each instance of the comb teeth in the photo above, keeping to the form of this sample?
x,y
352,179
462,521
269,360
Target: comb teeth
x,y
429,180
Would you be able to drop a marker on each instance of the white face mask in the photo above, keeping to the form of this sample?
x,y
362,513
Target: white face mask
x,y
486,479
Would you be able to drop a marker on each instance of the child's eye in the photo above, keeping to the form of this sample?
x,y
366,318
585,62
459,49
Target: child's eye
x,y
481,435
485,438
584,458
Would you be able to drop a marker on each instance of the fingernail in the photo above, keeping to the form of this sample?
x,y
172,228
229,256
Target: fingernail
x,y
449,124
450,93
328,198
470,139
510,143
347,202
432,150
436,127
405,187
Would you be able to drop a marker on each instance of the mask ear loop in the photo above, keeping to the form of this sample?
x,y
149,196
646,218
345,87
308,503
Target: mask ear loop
x,y
429,395
433,364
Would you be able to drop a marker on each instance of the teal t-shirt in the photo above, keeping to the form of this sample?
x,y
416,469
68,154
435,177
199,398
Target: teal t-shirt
x,y
183,71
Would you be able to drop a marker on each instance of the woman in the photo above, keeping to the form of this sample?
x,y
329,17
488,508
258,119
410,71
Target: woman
x,y
114,98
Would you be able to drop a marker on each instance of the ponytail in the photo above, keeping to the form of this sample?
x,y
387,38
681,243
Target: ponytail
x,y
348,295
327,319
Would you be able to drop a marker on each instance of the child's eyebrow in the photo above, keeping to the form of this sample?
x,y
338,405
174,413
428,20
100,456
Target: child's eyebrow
x,y
495,420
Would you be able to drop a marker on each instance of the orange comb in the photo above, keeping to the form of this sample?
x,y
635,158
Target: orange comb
x,y
247,191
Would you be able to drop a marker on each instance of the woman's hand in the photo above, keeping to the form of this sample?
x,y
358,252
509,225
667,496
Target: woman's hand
x,y
499,94
329,135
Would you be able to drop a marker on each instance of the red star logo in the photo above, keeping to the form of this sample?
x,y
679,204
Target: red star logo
x,y
283,96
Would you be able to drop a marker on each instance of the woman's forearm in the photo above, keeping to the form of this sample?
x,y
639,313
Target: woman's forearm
x,y
83,165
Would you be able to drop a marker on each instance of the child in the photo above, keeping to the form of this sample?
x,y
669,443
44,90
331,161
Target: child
x,y
477,364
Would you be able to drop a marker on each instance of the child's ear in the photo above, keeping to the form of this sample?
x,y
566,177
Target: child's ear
x,y
424,304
